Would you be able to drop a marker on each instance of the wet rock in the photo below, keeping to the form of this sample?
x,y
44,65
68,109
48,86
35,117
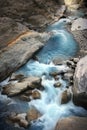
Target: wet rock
x,y
80,99
71,123
56,77
19,119
69,63
76,60
25,98
19,87
80,82
17,77
68,76
57,84
55,73
66,96
36,94
33,114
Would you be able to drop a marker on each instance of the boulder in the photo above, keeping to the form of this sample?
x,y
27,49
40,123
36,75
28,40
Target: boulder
x,y
65,97
33,114
17,45
80,83
36,94
72,123
19,87
79,24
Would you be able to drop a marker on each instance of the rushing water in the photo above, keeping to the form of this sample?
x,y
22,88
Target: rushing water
x,y
61,46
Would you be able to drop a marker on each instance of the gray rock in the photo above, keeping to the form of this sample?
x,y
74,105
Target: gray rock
x,y
80,83
18,46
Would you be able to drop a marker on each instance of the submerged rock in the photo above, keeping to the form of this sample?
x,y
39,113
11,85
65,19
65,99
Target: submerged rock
x,y
72,123
19,87
32,114
80,83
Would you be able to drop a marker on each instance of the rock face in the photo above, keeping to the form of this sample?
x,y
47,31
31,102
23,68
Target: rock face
x,y
17,45
80,83
72,123
16,88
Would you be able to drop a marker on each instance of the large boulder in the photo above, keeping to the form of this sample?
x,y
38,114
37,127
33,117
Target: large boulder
x,y
72,123
19,87
80,83
17,45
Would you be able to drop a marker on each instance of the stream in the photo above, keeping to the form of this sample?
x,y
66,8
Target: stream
x,y
60,46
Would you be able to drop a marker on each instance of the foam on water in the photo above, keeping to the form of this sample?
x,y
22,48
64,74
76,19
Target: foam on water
x,y
50,105
35,68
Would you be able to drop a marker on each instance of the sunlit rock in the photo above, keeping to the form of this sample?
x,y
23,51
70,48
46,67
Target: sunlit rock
x,y
73,4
